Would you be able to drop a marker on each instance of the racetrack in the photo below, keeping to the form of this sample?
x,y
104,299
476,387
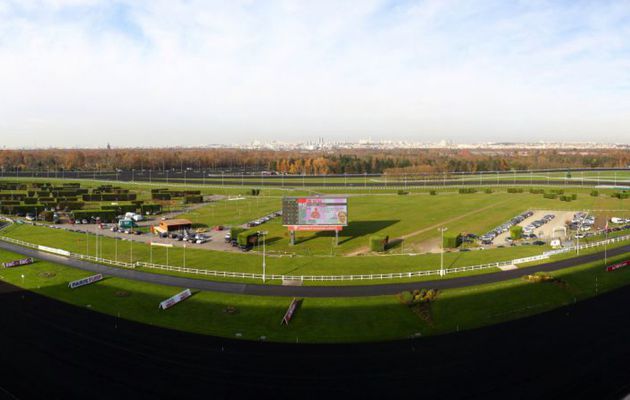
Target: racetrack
x,y
54,350
310,291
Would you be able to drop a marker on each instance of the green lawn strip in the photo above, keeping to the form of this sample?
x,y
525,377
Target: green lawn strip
x,y
288,266
317,320
251,262
473,307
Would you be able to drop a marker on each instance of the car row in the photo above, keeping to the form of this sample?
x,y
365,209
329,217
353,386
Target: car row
x,y
186,236
529,229
490,236
582,221
264,219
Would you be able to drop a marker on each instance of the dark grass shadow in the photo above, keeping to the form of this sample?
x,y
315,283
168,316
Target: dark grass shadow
x,y
394,244
354,230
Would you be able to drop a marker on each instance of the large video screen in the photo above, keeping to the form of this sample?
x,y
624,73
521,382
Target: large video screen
x,y
315,211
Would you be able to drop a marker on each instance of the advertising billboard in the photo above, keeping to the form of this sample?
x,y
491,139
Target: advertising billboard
x,y
315,211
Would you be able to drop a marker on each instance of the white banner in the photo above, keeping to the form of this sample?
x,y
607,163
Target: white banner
x,y
161,244
85,281
53,250
170,302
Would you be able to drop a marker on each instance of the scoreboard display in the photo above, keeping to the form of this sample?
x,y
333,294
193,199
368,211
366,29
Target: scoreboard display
x,y
315,211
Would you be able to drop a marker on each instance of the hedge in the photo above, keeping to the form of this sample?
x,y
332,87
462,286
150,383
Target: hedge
x,y
432,192
104,215
550,195
235,231
620,195
594,193
193,199
452,240
467,190
515,190
378,243
151,208
536,191
242,238
121,208
516,232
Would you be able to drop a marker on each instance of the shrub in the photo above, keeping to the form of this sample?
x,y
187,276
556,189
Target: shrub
x,y
467,190
515,190
402,192
452,240
620,195
254,192
574,196
516,232
378,243
594,193
193,199
432,192
536,191
550,195
488,190
565,198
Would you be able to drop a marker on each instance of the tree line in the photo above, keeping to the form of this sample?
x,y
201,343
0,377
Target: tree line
x,y
402,161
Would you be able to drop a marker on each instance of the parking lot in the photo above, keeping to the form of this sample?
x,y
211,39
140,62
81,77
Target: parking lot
x,y
545,231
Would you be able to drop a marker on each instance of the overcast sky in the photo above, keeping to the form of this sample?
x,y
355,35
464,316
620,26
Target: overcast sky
x,y
87,72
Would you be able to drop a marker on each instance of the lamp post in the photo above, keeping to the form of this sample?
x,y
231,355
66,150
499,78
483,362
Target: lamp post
x,y
264,264
442,230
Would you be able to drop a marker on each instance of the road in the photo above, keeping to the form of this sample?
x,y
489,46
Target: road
x,y
309,291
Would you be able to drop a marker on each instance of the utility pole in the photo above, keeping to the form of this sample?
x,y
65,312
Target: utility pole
x,y
442,230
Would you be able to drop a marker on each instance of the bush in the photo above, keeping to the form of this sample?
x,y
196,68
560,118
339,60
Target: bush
x,y
574,196
467,190
432,192
594,193
620,195
515,190
402,192
151,208
536,191
254,192
378,243
516,232
565,198
550,195
193,199
104,215
452,240
488,190
234,232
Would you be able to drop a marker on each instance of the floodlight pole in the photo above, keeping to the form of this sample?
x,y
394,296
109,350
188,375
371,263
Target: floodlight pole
x,y
264,263
442,230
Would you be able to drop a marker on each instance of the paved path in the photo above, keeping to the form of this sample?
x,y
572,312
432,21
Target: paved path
x,y
309,291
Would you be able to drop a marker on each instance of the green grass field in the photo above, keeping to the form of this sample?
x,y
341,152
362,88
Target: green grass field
x,y
317,320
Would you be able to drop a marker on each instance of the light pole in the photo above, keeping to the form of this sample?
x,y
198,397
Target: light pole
x,y
442,230
264,264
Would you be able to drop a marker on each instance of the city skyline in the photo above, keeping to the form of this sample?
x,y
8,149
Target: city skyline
x,y
81,73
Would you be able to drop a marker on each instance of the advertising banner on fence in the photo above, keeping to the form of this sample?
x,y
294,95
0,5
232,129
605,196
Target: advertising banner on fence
x,y
170,302
17,263
617,266
85,281
53,250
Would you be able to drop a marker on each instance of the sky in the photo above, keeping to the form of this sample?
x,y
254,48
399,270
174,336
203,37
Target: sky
x,y
84,73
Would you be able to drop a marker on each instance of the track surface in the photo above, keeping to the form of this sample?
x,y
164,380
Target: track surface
x,y
53,350
197,177
309,291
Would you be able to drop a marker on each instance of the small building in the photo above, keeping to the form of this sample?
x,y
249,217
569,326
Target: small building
x,y
171,225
